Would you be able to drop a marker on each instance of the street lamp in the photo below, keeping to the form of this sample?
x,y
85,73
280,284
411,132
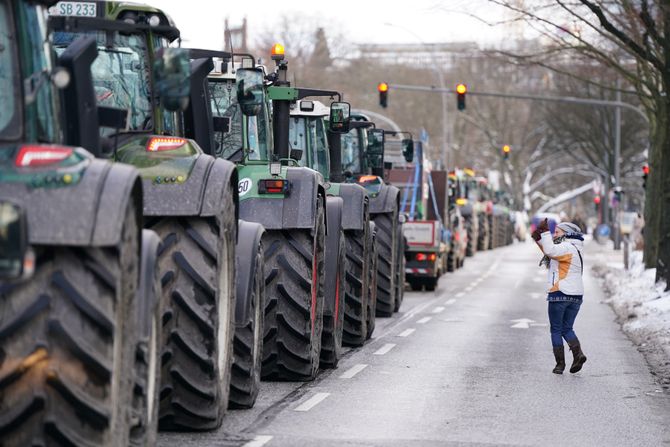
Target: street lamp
x,y
440,79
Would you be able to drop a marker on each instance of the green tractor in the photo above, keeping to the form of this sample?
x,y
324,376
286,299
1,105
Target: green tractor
x,y
309,132
291,202
190,199
363,163
79,321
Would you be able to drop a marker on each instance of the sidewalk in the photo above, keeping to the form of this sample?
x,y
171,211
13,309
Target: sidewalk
x,y
642,307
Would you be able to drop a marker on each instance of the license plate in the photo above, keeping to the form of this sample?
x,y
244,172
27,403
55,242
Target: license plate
x,y
80,9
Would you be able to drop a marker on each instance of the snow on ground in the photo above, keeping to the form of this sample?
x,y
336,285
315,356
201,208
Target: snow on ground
x,y
642,306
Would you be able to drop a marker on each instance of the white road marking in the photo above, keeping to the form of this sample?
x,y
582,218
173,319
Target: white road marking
x,y
258,441
537,279
539,324
384,349
438,309
312,402
450,302
460,294
424,320
406,332
522,323
535,296
353,371
468,289
518,283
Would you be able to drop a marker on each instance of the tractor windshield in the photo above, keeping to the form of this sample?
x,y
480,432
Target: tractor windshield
x,y
309,135
9,112
120,75
351,152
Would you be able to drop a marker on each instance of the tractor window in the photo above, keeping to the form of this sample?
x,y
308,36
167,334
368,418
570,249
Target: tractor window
x,y
264,132
351,157
297,137
120,75
40,110
9,112
321,147
223,97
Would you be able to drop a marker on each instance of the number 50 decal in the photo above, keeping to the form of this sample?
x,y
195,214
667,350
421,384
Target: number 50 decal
x,y
244,186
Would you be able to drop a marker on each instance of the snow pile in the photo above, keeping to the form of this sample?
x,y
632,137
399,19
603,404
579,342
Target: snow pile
x,y
642,305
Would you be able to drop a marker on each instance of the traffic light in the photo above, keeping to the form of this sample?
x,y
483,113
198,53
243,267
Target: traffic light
x,y
506,150
596,202
461,90
645,173
383,88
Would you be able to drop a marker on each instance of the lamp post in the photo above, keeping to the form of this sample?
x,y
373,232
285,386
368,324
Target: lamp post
x,y
440,79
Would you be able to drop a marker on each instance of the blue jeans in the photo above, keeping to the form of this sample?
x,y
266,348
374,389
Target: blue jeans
x,y
562,316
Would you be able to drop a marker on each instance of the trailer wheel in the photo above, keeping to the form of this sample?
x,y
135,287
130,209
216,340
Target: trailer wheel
x,y
332,335
372,280
294,278
67,345
197,259
429,284
248,344
416,285
386,262
356,287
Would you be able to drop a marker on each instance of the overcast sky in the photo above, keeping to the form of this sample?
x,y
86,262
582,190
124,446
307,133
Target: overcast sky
x,y
201,21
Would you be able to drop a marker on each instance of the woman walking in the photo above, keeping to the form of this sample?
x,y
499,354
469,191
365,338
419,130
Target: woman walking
x,y
565,264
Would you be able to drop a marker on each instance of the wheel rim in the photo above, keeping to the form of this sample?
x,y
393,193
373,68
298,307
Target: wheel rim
x,y
153,368
223,313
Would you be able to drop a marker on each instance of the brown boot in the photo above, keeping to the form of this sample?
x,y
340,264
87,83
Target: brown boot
x,y
578,356
559,355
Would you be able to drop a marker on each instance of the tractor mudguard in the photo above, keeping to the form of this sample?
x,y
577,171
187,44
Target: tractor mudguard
x,y
386,201
334,213
249,236
199,195
296,210
89,213
356,199
146,293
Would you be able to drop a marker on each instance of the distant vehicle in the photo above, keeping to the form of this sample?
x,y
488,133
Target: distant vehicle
x,y
552,218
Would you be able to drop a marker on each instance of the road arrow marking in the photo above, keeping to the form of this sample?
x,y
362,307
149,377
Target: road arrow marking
x,y
353,371
424,320
406,332
384,349
438,309
258,441
522,323
312,402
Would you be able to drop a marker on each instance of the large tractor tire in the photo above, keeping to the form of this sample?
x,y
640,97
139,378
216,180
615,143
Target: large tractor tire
x,y
356,287
492,229
333,324
67,346
387,248
248,342
197,267
295,275
471,247
483,236
372,279
400,270
150,338
452,261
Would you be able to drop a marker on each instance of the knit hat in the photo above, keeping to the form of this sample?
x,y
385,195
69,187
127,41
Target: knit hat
x,y
569,228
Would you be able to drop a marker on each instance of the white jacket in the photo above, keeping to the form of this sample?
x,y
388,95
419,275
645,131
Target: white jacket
x,y
565,266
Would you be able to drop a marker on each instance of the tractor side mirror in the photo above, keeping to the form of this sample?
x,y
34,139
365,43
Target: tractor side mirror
x,y
340,117
172,71
16,258
250,92
408,149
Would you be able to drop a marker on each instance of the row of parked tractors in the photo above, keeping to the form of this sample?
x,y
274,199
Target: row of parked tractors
x,y
175,225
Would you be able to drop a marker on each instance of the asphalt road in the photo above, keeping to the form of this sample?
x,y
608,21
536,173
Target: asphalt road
x,y
464,366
